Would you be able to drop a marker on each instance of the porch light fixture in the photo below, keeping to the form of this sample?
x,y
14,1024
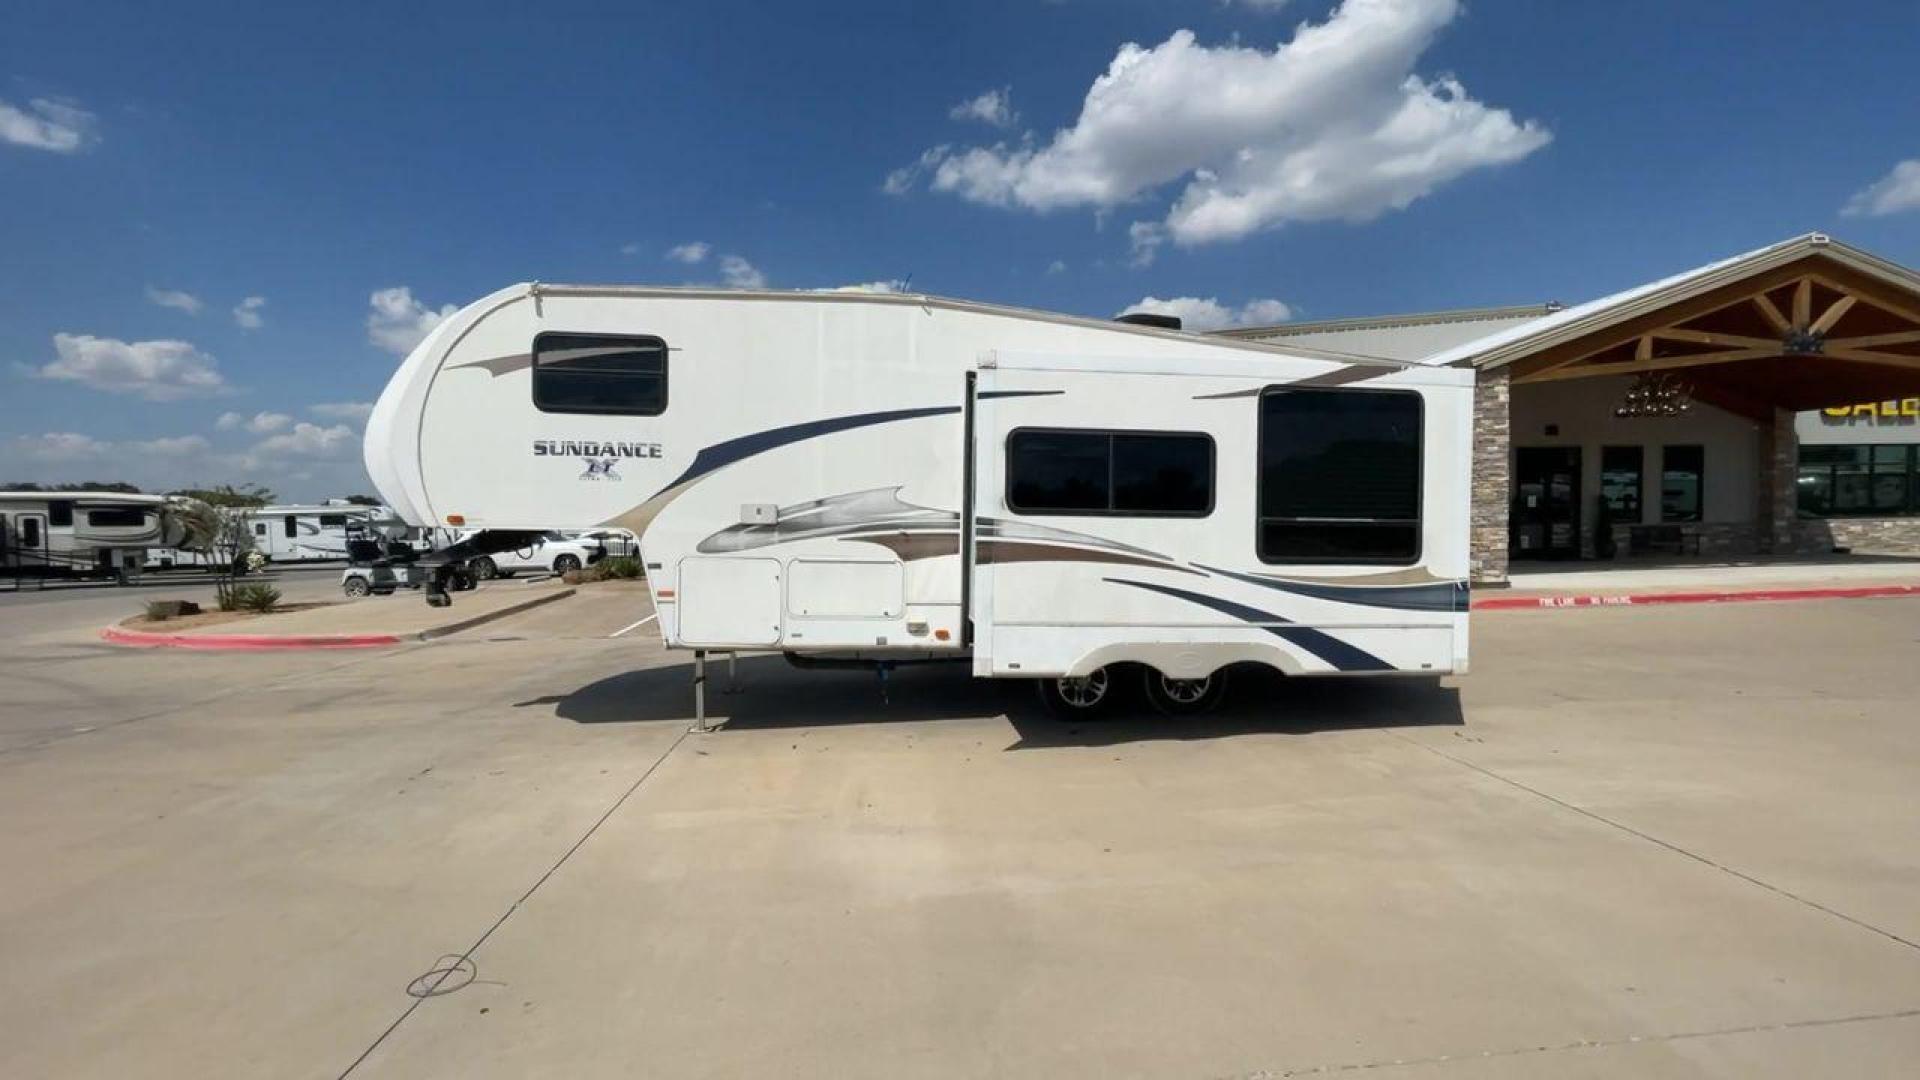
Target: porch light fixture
x,y
1655,393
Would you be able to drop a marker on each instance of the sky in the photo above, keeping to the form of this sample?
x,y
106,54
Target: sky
x,y
221,225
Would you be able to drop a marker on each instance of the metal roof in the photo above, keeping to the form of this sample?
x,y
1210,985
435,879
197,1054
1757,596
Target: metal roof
x,y
1399,337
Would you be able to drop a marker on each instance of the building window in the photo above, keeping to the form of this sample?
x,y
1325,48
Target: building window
x,y
1620,482
1859,481
124,517
1132,473
1683,471
1339,476
600,374
60,514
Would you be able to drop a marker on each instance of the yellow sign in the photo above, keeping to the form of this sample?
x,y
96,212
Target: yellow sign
x,y
1876,410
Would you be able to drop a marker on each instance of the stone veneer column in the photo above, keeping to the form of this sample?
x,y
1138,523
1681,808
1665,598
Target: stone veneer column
x,y
1779,494
1492,484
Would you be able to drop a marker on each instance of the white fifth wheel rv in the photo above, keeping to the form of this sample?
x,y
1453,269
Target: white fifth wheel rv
x,y
302,533
873,478
79,533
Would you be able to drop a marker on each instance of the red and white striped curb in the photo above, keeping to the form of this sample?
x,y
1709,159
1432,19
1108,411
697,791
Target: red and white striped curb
x,y
1716,596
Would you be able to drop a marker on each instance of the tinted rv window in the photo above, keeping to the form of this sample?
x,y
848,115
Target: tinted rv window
x,y
333,521
60,515
1136,473
1339,476
117,517
596,373
292,525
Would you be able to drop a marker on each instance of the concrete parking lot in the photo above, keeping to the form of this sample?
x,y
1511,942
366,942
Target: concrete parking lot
x,y
1656,843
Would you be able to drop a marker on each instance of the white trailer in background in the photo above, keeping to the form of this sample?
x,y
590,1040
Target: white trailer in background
x,y
876,478
309,533
79,533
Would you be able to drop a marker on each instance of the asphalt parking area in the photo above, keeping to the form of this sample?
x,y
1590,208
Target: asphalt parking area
x,y
1671,842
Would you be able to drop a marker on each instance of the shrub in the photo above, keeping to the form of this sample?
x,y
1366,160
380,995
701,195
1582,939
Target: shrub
x,y
259,597
162,610
619,568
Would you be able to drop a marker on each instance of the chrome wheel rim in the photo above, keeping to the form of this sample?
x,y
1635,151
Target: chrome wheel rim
x,y
1186,691
1084,692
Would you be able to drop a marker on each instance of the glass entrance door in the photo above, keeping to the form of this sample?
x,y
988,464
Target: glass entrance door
x,y
1546,503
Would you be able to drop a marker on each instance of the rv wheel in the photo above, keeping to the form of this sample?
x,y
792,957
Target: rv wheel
x,y
1088,695
563,564
1185,697
484,568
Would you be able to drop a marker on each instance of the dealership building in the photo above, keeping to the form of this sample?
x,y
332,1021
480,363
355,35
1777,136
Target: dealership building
x,y
1767,404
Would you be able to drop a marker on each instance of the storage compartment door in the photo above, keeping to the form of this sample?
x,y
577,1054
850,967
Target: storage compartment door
x,y
845,589
729,602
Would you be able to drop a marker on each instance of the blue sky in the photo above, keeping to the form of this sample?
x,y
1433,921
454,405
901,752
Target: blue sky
x,y
159,165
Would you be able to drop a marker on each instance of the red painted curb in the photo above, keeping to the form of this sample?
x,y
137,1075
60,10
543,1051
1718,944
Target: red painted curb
x,y
247,642
1722,596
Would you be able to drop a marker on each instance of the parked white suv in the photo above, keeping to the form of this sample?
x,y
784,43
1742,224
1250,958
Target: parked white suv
x,y
553,551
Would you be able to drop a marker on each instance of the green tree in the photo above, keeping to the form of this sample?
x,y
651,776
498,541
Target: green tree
x,y
245,496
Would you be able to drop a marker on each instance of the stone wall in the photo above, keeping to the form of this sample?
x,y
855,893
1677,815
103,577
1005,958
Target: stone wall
x,y
1895,535
1492,487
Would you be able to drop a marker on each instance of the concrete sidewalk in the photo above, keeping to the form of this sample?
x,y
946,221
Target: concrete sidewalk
x,y
368,622
1605,584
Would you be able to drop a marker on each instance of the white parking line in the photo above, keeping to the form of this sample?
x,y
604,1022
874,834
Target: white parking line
x,y
635,626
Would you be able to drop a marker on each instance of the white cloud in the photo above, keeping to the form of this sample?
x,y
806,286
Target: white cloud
x,y
1893,193
398,322
691,254
1057,266
178,446
342,410
247,313
304,463
1331,125
1210,314
175,299
630,249
63,447
59,446
259,423
738,273
893,285
901,180
310,441
995,108
155,370
47,124
1143,240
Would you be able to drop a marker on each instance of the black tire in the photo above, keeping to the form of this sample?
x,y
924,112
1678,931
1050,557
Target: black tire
x,y
1081,698
484,568
356,587
460,581
1184,697
563,564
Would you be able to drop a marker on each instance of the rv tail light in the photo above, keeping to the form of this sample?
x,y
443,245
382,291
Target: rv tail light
x,y
456,519
941,635
666,594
